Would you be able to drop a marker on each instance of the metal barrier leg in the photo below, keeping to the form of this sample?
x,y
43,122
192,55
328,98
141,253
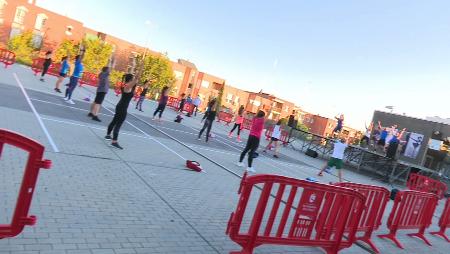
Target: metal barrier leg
x,y
391,236
421,235
441,233
366,239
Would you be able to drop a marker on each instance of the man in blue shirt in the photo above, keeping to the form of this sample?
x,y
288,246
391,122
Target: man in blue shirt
x,y
76,75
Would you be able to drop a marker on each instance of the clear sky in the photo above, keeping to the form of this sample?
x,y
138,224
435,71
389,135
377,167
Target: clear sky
x,y
327,56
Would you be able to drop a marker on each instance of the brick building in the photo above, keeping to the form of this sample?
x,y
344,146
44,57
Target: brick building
x,y
324,126
50,29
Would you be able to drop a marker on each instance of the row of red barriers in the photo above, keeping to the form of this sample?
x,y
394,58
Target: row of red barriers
x,y
422,183
411,210
323,215
174,103
34,163
7,57
37,67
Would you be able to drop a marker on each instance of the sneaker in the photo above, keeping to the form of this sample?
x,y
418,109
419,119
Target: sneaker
x,y
116,145
328,170
250,169
41,79
108,137
65,98
70,102
141,110
90,114
240,164
58,90
230,135
320,174
264,151
199,138
239,139
276,156
95,118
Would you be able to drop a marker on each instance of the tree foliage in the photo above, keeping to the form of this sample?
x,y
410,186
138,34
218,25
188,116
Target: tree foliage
x,y
66,48
96,54
159,70
22,45
115,77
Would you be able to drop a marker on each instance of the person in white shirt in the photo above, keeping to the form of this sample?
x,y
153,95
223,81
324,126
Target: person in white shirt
x,y
196,102
336,158
276,134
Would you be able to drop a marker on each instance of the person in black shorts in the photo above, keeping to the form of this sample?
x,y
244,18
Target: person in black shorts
x,y
102,90
122,108
46,65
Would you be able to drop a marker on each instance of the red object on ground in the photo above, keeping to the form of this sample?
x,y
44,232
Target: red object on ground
x,y
225,117
320,217
412,210
35,162
7,57
444,221
376,200
422,183
89,79
195,166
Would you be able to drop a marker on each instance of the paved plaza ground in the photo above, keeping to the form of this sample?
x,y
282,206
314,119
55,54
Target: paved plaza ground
x,y
100,200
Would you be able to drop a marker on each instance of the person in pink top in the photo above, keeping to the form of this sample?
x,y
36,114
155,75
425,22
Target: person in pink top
x,y
238,124
253,140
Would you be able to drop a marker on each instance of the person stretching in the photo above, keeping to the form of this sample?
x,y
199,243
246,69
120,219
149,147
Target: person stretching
x,y
276,134
142,95
340,124
162,103
238,124
336,158
102,90
46,65
62,73
121,108
253,141
76,75
211,115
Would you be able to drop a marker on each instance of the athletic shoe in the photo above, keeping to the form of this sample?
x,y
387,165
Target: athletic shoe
x,y
42,79
108,137
57,90
199,138
239,139
116,145
250,169
320,174
65,98
240,164
90,114
264,151
230,135
141,110
276,156
95,118
70,102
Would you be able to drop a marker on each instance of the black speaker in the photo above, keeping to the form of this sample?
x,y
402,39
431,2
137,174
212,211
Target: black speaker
x,y
311,153
391,151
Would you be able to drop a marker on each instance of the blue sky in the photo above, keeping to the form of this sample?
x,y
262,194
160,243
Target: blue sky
x,y
327,56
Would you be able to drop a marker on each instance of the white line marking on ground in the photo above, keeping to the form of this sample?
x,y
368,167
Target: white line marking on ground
x,y
65,106
38,117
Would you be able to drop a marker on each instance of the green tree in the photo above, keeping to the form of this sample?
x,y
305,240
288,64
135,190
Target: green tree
x,y
96,55
22,45
66,48
159,70
219,97
115,76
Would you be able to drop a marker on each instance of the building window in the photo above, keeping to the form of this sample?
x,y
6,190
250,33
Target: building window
x,y
40,21
205,83
178,75
69,30
229,98
3,4
19,18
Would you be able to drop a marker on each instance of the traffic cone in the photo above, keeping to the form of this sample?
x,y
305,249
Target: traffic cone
x,y
194,166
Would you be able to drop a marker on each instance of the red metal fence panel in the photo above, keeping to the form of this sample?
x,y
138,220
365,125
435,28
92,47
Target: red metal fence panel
x,y
35,162
37,67
376,200
90,79
225,117
412,210
247,124
444,221
7,57
173,102
423,183
313,215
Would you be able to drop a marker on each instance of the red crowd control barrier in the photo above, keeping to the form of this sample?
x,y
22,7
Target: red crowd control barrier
x,y
35,162
173,102
225,117
376,200
412,210
189,108
247,124
284,137
322,216
88,78
444,221
422,183
7,57
37,67
118,88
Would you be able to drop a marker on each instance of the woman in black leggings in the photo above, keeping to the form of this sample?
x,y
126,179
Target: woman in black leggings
x,y
121,109
162,103
210,116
